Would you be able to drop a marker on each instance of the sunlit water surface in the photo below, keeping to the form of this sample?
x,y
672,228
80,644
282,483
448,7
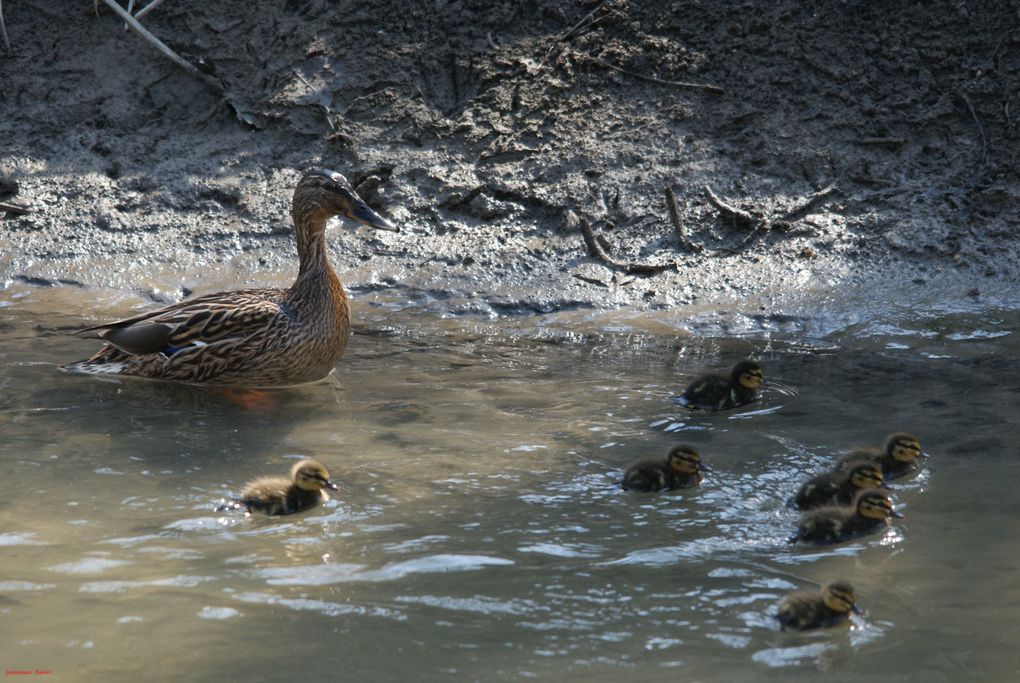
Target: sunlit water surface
x,y
479,534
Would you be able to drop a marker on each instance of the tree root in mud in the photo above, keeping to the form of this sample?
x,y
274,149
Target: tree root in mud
x,y
596,250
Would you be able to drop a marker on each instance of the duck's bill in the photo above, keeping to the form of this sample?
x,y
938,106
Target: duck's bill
x,y
857,610
704,468
897,514
332,486
924,455
886,486
366,216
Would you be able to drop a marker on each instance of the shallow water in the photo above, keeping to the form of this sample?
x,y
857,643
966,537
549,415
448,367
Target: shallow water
x,y
479,536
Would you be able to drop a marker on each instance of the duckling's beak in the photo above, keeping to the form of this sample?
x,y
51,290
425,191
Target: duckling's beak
x,y
886,486
924,455
366,216
704,468
854,609
331,485
897,514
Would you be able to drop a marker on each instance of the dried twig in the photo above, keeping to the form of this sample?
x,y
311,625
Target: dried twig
x,y
872,180
595,249
17,209
705,87
739,217
148,8
3,27
209,81
888,141
674,214
981,131
569,33
809,201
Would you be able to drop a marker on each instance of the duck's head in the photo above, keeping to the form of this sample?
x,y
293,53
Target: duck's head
x,y
839,597
685,460
866,475
312,475
874,504
322,194
903,447
747,374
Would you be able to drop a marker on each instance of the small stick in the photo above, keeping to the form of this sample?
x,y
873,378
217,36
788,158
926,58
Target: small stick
x,y
212,83
148,8
981,131
892,142
569,33
739,217
16,209
678,84
3,27
130,9
810,201
632,268
674,214
871,180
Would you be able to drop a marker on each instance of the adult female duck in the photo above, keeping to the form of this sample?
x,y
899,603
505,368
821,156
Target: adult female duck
x,y
251,337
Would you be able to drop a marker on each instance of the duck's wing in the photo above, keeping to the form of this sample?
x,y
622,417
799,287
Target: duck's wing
x,y
194,323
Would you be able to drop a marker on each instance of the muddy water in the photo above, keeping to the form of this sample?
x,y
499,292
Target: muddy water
x,y
479,535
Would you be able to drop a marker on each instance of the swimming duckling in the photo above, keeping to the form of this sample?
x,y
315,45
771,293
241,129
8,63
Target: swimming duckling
x,y
283,495
804,610
715,392
869,513
680,469
898,457
839,486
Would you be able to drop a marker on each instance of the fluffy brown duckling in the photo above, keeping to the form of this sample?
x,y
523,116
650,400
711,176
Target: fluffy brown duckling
x,y
870,512
838,487
680,469
805,610
285,495
898,457
716,392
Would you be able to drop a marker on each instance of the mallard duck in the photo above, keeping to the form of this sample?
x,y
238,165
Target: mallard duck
x,y
898,457
805,610
680,469
252,337
870,512
839,486
716,392
285,495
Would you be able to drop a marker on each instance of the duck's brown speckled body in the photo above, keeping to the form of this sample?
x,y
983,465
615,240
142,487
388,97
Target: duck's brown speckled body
x,y
806,610
252,337
304,488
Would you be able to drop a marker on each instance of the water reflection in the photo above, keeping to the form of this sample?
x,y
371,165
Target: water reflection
x,y
480,531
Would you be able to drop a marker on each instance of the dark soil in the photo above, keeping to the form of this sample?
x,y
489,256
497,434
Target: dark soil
x,y
864,146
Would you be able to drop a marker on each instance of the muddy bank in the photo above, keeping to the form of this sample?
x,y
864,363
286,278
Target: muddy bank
x,y
821,157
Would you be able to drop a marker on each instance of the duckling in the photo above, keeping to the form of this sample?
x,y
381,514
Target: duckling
x,y
898,457
838,487
804,610
715,392
680,469
869,513
283,495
